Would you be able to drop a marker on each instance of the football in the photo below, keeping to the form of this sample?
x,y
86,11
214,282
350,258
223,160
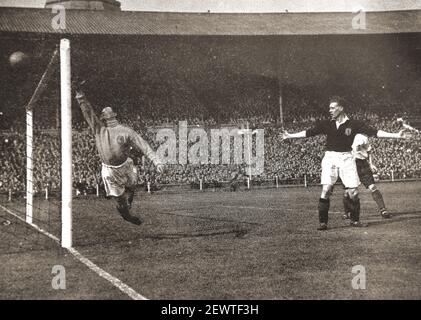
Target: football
x,y
19,59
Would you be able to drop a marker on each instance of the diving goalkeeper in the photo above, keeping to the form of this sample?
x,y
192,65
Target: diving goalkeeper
x,y
114,141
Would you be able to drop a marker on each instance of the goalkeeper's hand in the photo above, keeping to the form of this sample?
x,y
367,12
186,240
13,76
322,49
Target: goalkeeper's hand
x,y
79,87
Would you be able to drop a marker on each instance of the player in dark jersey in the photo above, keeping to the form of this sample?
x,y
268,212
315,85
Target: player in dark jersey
x,y
338,160
114,141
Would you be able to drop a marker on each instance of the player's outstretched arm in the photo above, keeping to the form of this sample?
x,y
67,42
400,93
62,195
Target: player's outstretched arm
x,y
87,111
143,146
297,135
392,135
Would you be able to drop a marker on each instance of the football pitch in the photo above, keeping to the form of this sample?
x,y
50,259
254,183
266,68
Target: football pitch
x,y
258,244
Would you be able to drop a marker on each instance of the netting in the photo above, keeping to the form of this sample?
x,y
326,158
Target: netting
x,y
31,171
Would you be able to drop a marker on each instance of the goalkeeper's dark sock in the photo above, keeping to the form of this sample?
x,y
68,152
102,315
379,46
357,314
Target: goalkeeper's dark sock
x,y
377,196
324,205
124,211
122,206
355,209
130,196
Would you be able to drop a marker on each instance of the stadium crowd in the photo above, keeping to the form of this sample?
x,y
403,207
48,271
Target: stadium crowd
x,y
289,161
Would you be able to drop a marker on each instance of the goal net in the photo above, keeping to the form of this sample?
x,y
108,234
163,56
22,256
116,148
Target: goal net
x,y
38,187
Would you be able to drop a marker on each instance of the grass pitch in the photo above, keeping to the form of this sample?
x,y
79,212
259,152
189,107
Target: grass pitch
x,y
259,244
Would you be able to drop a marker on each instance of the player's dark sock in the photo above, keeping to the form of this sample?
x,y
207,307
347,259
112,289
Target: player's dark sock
x,y
324,205
130,196
347,209
355,209
122,209
377,196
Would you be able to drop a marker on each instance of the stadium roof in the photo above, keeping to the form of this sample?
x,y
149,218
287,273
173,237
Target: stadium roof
x,y
86,22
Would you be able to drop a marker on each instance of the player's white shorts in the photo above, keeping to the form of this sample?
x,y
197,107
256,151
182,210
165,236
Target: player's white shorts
x,y
116,178
339,164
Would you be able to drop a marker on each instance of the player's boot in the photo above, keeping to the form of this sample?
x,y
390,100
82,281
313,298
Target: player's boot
x,y
322,226
132,219
384,213
124,212
345,216
357,224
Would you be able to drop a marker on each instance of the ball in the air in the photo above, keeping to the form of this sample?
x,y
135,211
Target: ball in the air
x,y
18,59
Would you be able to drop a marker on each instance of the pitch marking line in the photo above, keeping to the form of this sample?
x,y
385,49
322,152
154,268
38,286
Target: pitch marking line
x,y
257,208
92,266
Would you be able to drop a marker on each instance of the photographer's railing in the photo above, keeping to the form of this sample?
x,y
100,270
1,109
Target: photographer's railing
x,y
201,184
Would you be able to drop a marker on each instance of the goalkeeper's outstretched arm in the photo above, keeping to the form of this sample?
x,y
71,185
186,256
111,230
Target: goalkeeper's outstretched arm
x,y
88,112
139,143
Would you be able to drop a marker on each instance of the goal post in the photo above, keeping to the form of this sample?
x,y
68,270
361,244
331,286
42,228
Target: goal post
x,y
66,144
63,55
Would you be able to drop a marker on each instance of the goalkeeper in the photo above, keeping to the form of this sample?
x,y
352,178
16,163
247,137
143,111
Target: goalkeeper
x,y
114,142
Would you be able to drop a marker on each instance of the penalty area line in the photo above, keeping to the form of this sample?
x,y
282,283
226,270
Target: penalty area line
x,y
92,266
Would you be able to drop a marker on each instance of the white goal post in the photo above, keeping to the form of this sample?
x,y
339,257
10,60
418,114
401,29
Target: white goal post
x,y
66,144
66,141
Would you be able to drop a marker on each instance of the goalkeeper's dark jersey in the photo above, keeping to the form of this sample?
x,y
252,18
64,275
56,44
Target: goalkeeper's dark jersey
x,y
340,139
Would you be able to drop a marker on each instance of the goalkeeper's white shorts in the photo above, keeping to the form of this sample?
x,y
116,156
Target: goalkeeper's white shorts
x,y
339,164
117,178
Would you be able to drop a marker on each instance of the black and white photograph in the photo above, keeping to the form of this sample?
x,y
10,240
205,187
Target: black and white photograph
x,y
219,153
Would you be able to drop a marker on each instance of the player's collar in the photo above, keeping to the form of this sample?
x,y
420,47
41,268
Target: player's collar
x,y
111,122
345,119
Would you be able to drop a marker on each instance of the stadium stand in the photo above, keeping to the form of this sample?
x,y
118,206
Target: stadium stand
x,y
290,161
